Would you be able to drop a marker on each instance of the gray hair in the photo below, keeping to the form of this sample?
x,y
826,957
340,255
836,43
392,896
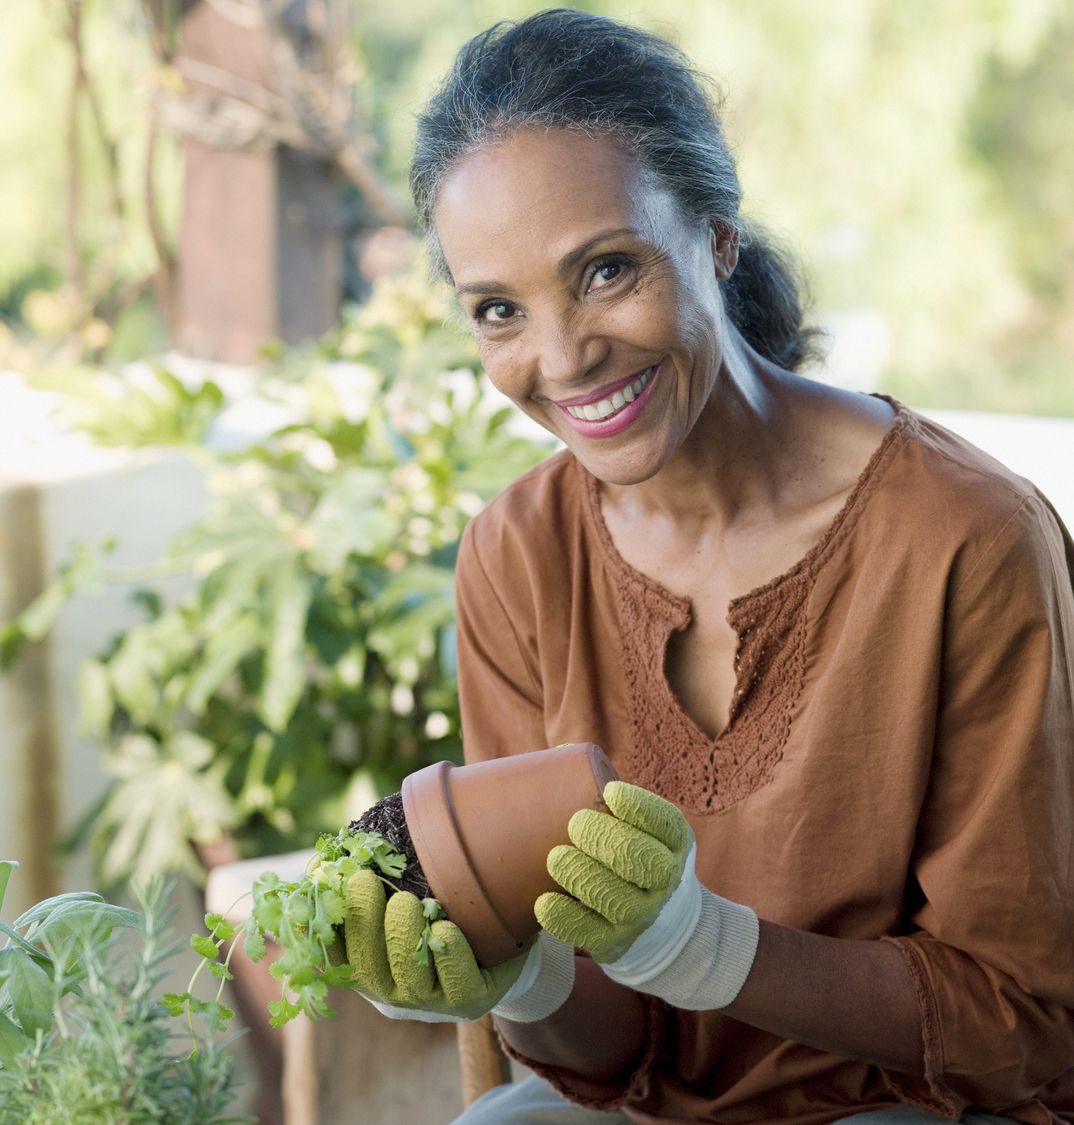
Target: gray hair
x,y
568,69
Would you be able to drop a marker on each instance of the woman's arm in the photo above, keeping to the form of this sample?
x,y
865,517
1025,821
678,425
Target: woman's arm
x,y
854,998
599,1033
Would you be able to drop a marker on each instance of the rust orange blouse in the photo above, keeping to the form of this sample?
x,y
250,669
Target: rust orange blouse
x,y
899,763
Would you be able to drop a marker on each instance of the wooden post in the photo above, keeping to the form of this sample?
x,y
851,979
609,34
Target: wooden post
x,y
260,246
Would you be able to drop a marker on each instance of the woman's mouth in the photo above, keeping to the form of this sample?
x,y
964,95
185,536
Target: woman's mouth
x,y
618,408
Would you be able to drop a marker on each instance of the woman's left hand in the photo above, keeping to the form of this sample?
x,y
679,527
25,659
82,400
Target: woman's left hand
x,y
635,904
621,871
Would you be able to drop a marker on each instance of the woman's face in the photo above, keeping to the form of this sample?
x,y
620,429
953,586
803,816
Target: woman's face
x,y
595,303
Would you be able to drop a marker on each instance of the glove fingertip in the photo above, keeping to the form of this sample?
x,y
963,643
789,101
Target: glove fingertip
x,y
558,855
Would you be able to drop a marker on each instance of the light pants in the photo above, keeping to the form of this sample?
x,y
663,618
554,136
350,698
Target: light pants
x,y
534,1102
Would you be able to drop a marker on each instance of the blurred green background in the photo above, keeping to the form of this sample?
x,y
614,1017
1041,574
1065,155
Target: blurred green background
x,y
919,157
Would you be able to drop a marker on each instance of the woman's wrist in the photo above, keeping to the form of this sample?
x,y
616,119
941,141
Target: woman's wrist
x,y
599,1033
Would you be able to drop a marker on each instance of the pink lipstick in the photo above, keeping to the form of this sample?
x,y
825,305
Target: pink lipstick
x,y
611,409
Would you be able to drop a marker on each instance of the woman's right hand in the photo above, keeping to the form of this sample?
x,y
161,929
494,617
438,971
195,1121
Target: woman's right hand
x,y
382,936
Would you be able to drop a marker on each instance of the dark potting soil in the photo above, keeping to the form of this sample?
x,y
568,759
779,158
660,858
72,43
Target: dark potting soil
x,y
386,817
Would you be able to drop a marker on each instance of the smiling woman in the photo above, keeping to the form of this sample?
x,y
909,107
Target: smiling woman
x,y
828,644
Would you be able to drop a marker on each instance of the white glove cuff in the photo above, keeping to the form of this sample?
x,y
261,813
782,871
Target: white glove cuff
x,y
714,962
657,947
394,1012
697,953
544,984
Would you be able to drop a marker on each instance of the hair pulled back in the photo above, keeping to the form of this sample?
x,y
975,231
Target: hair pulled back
x,y
568,69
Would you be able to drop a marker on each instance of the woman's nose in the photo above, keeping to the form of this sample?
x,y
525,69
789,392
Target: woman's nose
x,y
568,352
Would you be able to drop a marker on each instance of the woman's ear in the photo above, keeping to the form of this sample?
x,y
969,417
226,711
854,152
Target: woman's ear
x,y
724,250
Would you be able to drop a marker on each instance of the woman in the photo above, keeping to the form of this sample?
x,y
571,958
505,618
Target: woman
x,y
828,643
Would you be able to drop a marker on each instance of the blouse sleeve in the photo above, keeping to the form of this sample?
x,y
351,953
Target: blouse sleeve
x,y
499,690
502,713
992,949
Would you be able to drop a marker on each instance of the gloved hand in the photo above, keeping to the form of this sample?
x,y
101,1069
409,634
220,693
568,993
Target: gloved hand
x,y
635,904
381,937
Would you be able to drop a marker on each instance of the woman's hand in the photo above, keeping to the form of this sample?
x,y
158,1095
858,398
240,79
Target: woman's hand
x,y
382,936
634,903
619,874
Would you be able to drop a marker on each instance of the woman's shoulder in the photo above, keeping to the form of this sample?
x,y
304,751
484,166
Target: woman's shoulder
x,y
534,517
939,501
941,471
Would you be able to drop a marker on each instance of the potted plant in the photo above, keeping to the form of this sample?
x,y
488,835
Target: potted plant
x,y
470,841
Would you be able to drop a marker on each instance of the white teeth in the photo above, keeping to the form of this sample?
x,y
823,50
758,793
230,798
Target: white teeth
x,y
596,411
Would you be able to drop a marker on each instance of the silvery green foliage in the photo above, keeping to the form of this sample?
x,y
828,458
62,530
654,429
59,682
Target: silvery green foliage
x,y
83,1034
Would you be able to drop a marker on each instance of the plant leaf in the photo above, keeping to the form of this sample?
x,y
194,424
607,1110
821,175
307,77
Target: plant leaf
x,y
30,990
41,910
12,1039
286,666
6,868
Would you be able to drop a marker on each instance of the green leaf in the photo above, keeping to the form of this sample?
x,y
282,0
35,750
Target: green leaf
x,y
217,1015
286,664
131,673
282,1012
225,649
254,942
12,1039
205,946
93,920
175,1003
95,706
41,910
30,989
350,518
220,927
23,944
6,868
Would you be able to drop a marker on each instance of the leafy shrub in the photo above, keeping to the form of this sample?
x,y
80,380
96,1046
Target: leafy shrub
x,y
83,1036
316,647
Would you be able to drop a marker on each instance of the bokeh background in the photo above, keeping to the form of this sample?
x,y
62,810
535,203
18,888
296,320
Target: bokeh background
x,y
241,432
920,158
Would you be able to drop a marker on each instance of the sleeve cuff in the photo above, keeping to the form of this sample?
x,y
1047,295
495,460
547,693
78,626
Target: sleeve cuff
x,y
928,1092
607,1096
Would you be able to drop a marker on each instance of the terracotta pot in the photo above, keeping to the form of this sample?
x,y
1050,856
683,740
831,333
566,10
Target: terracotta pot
x,y
482,833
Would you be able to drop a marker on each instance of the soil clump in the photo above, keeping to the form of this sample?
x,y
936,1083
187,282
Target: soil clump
x,y
387,819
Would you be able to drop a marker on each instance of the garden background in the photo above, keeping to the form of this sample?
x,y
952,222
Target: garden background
x,y
240,432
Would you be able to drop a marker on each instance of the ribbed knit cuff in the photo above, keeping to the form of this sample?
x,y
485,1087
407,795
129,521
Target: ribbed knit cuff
x,y
544,984
715,961
657,947
394,1012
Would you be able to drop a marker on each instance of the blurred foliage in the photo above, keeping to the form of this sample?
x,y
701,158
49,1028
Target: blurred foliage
x,y
918,157
313,663
42,204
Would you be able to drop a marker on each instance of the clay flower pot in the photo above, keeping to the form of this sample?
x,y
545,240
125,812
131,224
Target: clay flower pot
x,y
482,833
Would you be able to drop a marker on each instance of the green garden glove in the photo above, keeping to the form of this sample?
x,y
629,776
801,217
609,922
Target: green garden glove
x,y
620,872
382,936
635,904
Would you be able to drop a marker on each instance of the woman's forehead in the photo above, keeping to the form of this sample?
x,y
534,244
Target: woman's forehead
x,y
541,191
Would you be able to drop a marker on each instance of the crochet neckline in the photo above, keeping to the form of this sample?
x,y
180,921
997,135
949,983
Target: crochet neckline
x,y
680,605
701,773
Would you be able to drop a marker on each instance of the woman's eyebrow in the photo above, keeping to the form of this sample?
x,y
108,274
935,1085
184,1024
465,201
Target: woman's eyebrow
x,y
565,264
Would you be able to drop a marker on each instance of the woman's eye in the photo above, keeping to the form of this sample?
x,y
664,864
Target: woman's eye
x,y
494,312
605,273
